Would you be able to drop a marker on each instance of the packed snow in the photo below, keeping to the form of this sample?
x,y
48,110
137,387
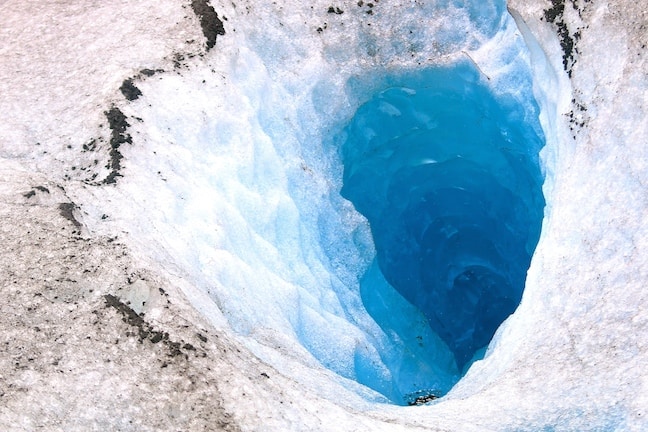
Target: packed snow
x,y
185,248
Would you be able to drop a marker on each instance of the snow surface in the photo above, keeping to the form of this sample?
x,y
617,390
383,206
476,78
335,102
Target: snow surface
x,y
218,230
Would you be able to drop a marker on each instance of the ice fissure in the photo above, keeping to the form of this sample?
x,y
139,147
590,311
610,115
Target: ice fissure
x,y
450,182
364,219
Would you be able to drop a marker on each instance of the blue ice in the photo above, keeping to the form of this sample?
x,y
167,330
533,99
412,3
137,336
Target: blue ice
x,y
448,177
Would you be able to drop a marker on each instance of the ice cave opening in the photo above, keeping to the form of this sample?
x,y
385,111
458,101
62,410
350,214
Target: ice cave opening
x,y
364,227
449,179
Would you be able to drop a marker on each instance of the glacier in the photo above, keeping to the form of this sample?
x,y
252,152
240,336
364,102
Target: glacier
x,y
239,223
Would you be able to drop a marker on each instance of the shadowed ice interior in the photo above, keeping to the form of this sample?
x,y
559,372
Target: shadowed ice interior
x,y
449,179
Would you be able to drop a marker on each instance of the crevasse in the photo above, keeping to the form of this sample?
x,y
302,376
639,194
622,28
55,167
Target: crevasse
x,y
450,182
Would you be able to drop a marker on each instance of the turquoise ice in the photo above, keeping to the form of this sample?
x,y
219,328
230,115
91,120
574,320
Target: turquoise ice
x,y
449,179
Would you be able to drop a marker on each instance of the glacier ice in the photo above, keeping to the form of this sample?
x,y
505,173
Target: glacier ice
x,y
231,191
251,188
248,204
449,179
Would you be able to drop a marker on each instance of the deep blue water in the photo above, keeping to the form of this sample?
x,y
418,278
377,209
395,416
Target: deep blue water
x,y
449,179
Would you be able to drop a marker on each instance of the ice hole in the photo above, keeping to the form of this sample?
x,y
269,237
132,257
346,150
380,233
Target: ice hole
x,y
449,180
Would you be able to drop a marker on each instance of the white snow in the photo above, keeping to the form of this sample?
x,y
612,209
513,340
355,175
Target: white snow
x,y
230,201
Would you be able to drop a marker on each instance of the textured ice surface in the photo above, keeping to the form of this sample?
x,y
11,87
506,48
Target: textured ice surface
x,y
230,191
